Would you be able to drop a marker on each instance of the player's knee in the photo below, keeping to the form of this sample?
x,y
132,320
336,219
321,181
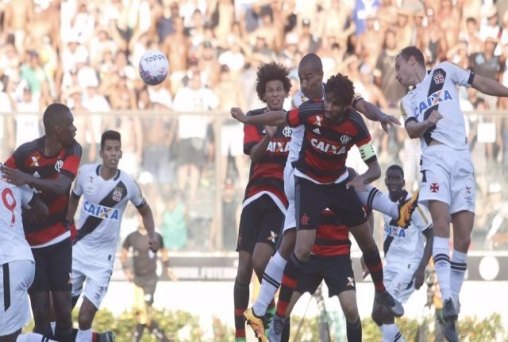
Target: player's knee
x,y
461,243
441,226
351,313
302,252
288,244
259,265
243,275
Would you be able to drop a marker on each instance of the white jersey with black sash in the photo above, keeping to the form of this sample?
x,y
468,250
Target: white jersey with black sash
x,y
102,207
438,91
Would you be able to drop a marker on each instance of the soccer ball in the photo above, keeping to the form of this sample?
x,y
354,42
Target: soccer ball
x,y
153,67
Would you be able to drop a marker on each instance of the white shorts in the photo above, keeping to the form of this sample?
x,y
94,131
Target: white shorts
x,y
289,189
15,279
231,135
448,176
399,280
94,277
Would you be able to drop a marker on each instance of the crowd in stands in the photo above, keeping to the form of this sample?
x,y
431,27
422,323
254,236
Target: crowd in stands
x,y
85,54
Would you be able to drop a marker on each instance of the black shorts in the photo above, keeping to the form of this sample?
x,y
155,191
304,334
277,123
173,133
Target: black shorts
x,y
148,284
336,271
260,221
53,267
311,199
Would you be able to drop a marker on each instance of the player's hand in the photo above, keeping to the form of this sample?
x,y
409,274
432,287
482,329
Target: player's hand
x,y
357,183
237,114
388,121
419,278
14,176
270,130
154,244
434,117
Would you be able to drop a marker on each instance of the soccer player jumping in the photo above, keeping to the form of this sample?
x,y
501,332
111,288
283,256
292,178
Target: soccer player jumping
x,y
432,113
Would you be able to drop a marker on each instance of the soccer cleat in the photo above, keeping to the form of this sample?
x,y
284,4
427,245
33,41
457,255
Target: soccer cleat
x,y
385,299
447,317
276,328
406,209
256,323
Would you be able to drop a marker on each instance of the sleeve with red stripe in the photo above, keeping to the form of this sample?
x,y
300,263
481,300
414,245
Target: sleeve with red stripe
x,y
251,137
72,160
293,117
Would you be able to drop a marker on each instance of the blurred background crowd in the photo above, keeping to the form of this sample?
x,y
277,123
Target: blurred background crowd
x,y
85,54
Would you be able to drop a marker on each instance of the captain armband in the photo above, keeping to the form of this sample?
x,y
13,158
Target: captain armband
x,y
165,263
367,152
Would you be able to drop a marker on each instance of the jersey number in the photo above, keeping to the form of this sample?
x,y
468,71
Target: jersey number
x,y
9,202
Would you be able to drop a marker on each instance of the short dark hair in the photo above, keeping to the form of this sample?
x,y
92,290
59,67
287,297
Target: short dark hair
x,y
341,88
313,60
412,51
110,135
270,72
396,167
53,116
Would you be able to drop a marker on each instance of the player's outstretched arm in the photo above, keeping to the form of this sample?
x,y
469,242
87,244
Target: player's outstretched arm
x,y
272,118
489,86
59,185
373,113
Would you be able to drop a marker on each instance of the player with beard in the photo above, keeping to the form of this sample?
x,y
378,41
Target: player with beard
x,y
331,128
310,71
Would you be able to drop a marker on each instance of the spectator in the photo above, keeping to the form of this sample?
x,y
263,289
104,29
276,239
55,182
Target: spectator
x,y
448,19
192,131
369,44
176,47
174,222
231,131
385,72
471,35
486,64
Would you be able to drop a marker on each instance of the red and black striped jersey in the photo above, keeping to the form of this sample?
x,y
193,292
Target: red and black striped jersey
x,y
266,175
326,144
30,158
332,236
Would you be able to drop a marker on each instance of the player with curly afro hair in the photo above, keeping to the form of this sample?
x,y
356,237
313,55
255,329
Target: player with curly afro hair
x,y
265,202
269,72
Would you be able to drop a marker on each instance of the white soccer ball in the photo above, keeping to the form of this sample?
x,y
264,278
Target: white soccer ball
x,y
153,67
